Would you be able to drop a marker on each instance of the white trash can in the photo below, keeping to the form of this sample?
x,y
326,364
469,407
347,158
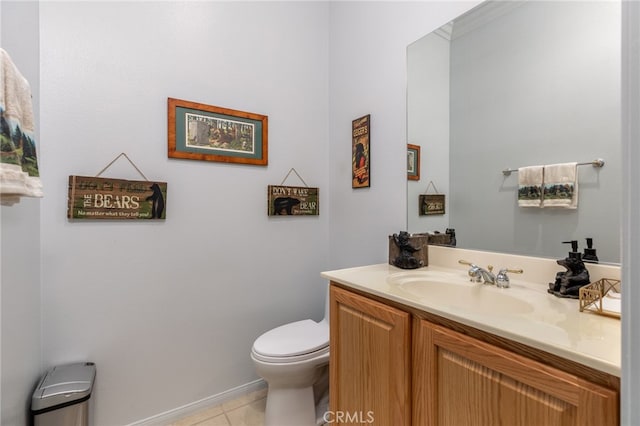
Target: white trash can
x,y
62,396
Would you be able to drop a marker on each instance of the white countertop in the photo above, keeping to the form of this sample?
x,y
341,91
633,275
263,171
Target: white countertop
x,y
524,313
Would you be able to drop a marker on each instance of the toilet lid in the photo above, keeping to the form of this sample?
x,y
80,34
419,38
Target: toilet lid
x,y
296,338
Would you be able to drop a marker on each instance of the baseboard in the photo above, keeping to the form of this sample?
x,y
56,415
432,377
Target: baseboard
x,y
178,413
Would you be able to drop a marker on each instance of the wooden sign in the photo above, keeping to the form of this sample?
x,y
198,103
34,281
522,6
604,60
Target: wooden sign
x,y
360,152
292,201
431,204
103,198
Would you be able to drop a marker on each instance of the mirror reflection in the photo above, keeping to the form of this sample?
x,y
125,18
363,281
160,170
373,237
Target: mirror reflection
x,y
509,85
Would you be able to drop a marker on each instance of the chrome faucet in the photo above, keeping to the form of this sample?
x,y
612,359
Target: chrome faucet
x,y
479,274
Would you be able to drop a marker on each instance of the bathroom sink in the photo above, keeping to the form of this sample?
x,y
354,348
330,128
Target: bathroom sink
x,y
447,290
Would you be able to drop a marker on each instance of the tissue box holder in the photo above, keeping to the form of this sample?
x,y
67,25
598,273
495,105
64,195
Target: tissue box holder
x,y
591,296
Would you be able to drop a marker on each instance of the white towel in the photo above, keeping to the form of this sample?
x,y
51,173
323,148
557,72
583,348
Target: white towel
x,y
19,175
561,186
530,181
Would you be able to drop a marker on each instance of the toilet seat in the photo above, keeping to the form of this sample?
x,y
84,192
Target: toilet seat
x,y
296,341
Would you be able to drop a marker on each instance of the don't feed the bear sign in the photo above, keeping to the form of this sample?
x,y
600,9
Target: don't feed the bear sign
x,y
292,201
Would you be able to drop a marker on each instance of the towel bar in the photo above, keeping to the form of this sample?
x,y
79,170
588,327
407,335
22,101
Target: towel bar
x,y
595,163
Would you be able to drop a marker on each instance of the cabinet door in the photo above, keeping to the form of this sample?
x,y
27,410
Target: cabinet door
x,y
460,380
370,361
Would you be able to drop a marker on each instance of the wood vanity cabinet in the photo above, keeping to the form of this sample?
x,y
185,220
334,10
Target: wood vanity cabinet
x,y
405,370
460,380
370,361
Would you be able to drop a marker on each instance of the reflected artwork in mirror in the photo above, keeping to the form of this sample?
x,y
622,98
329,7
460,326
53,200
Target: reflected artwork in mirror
x,y
515,84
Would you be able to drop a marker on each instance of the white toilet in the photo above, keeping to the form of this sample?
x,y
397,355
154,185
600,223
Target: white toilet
x,y
294,361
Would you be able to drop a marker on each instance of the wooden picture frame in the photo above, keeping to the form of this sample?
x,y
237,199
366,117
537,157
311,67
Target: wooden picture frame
x,y
209,133
361,152
413,162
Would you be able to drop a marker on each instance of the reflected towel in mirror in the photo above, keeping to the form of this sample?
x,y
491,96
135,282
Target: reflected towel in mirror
x,y
530,181
561,186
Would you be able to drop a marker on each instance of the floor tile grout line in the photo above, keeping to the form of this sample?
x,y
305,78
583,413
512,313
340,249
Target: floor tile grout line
x,y
227,418
225,411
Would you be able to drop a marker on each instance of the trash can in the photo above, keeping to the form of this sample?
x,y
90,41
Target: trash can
x,y
62,396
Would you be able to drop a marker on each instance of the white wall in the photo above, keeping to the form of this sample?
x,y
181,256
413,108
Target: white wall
x,y
20,344
630,411
169,310
368,76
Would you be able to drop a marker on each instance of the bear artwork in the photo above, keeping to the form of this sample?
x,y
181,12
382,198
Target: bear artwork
x,y
569,282
284,205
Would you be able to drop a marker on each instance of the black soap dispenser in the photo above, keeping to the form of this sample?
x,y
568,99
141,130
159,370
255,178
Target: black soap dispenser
x,y
590,253
574,253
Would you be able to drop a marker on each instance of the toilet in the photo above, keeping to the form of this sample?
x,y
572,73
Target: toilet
x,y
294,361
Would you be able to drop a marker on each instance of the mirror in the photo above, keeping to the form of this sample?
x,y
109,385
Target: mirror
x,y
514,84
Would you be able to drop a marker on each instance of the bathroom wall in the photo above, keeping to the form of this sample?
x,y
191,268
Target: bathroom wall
x,y
368,75
20,345
630,411
169,310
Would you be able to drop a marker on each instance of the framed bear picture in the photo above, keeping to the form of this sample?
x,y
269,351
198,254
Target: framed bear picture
x,y
413,162
210,133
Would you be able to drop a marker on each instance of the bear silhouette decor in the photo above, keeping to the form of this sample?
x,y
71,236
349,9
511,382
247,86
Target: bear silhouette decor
x,y
157,202
284,205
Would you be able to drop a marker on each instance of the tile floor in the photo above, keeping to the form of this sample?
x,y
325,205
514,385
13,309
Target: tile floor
x,y
247,410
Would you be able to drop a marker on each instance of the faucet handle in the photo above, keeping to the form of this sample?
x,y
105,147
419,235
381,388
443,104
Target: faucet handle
x,y
475,274
474,271
502,279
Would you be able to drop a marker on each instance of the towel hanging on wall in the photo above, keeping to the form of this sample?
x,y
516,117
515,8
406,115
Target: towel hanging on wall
x,y
561,186
19,175
530,181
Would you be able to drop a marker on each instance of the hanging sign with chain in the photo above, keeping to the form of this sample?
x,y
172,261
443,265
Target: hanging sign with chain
x,y
292,200
431,204
104,198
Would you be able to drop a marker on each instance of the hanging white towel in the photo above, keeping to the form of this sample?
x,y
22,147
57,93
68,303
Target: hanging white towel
x,y
561,186
19,175
530,181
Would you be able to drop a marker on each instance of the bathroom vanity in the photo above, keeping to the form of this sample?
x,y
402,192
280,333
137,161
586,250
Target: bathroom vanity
x,y
428,347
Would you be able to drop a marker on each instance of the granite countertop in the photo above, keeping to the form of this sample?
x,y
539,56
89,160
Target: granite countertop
x,y
524,313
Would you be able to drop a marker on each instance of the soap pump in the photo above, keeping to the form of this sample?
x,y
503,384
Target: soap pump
x,y
574,253
590,252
